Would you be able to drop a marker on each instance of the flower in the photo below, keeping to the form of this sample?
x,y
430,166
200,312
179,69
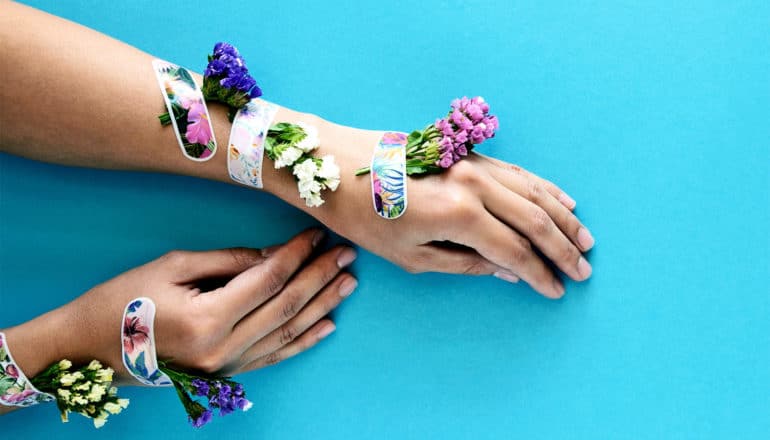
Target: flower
x,y
305,170
135,334
329,172
227,79
445,142
12,371
201,387
201,420
94,365
288,157
64,364
198,128
310,142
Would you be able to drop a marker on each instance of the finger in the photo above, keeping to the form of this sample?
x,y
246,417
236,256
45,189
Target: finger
x,y
326,301
307,340
500,244
256,285
435,257
187,266
503,171
285,306
533,190
535,223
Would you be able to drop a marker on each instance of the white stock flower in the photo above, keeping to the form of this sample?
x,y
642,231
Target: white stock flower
x,y
305,170
112,408
310,142
94,365
288,157
314,200
308,187
100,420
97,391
64,364
330,172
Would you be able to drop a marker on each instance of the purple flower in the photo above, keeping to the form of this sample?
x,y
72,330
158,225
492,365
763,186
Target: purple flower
x,y
202,419
226,78
215,67
223,48
12,371
201,387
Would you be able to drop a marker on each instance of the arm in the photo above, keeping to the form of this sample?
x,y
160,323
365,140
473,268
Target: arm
x,y
73,96
271,306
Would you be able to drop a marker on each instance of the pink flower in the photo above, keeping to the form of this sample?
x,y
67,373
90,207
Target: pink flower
x,y
12,371
19,397
198,129
135,333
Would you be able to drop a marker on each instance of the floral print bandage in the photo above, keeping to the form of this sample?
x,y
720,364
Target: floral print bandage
x,y
138,337
389,175
15,388
186,110
247,142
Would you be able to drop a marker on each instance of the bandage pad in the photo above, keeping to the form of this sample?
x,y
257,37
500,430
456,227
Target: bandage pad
x,y
189,115
388,173
138,338
15,388
247,141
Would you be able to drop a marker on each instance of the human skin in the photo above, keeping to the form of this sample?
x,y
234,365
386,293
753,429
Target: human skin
x,y
73,96
268,305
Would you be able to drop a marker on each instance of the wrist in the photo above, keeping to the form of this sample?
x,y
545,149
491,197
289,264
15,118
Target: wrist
x,y
34,344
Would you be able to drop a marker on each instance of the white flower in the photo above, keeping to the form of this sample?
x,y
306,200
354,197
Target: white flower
x,y
330,172
100,420
97,392
68,379
94,365
307,187
288,157
104,375
314,200
85,386
79,400
64,394
310,142
113,408
64,364
123,403
305,170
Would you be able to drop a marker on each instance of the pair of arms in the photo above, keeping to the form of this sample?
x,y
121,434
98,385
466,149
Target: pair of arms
x,y
72,96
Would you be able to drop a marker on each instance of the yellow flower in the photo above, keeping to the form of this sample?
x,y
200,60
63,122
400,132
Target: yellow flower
x,y
100,420
85,386
105,375
97,391
79,400
123,403
64,364
113,408
65,394
94,365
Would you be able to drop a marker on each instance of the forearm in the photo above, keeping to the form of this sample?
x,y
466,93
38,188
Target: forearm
x,y
73,96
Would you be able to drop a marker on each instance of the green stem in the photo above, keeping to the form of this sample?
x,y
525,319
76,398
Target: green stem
x,y
363,170
165,119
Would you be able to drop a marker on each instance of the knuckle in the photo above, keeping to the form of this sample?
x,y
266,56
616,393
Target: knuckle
x,y
521,252
243,257
274,280
535,191
273,358
288,334
475,266
541,222
290,306
210,363
465,173
569,254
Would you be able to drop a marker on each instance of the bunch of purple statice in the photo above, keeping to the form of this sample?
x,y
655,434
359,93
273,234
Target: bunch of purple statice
x,y
217,393
227,79
445,142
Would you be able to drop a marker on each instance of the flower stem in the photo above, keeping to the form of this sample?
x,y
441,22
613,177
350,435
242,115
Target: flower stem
x,y
362,171
165,119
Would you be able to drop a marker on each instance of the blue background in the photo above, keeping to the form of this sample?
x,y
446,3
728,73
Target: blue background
x,y
654,115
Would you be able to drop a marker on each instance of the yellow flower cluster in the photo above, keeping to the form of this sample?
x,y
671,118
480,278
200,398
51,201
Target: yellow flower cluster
x,y
87,391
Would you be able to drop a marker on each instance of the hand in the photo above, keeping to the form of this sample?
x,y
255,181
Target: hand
x,y
269,309
496,212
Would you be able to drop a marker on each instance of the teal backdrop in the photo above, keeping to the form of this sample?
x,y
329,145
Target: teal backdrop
x,y
654,115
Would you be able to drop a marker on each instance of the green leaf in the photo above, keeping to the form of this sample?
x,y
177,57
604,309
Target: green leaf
x,y
416,169
185,76
6,383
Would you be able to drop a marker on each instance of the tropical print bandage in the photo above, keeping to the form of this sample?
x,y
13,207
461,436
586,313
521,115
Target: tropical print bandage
x,y
247,142
15,388
389,175
186,111
138,337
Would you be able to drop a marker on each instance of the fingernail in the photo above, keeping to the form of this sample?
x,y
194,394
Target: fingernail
x,y
506,276
567,201
585,239
346,257
319,235
326,330
559,287
347,287
584,268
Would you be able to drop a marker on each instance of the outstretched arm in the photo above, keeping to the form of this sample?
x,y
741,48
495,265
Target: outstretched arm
x,y
73,96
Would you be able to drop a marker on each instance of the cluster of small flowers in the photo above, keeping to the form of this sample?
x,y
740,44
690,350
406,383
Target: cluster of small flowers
x,y
290,145
86,391
219,393
467,124
227,79
226,396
